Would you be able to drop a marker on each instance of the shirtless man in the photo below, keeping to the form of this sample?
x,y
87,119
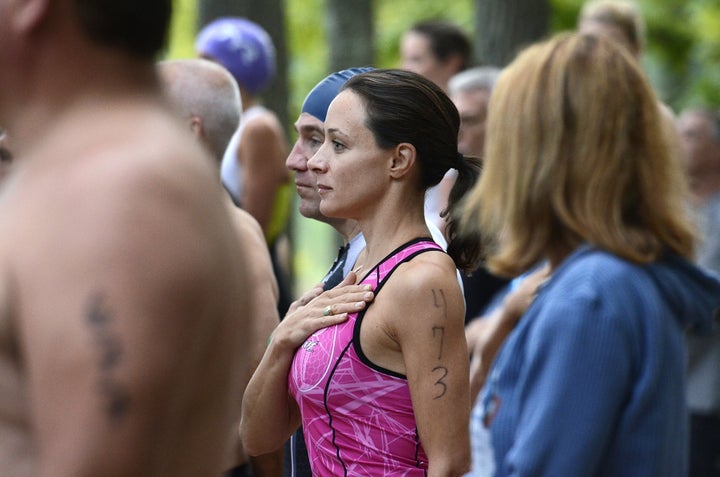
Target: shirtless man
x,y
208,100
123,290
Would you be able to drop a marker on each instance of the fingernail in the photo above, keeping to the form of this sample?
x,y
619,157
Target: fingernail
x,y
359,305
368,296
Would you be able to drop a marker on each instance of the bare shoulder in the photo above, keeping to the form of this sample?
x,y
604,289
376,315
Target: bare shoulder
x,y
262,151
265,125
252,238
427,282
265,120
135,206
247,225
120,152
428,270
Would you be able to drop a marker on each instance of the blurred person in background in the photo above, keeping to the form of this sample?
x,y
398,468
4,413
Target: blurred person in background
x,y
618,20
700,134
208,101
437,50
470,91
621,21
253,168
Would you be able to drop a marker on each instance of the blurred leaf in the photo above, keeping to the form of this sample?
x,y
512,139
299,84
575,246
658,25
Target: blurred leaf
x,y
182,29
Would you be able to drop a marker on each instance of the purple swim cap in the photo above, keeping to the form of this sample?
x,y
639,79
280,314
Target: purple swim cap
x,y
318,100
241,46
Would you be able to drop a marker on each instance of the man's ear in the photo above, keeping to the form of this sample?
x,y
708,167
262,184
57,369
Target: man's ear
x,y
403,158
28,14
196,126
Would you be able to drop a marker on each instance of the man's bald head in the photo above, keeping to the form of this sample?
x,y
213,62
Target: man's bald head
x,y
206,95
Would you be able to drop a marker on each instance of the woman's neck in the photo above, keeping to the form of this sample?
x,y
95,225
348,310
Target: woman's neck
x,y
382,239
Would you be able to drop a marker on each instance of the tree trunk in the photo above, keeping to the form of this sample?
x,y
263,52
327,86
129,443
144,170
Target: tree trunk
x,y
270,15
350,33
503,27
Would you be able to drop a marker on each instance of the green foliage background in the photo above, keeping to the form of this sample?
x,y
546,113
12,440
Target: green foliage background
x,y
307,36
682,59
682,56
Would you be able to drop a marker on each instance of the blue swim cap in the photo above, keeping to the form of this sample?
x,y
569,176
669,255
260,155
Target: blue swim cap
x,y
241,46
319,99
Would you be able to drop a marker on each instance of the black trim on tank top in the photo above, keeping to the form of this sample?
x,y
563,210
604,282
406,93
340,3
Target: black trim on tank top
x,y
417,449
376,269
394,252
327,409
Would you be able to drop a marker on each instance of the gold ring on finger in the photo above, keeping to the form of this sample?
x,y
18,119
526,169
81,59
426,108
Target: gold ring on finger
x,y
328,311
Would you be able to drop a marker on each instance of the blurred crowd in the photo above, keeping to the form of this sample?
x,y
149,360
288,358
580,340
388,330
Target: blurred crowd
x,y
528,282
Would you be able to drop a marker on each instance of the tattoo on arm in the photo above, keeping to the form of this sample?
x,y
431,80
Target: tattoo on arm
x,y
116,397
439,301
440,330
443,371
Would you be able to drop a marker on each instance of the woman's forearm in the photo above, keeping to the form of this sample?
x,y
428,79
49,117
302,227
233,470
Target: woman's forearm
x,y
269,414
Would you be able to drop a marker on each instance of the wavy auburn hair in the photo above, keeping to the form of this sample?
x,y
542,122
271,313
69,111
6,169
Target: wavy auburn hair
x,y
575,153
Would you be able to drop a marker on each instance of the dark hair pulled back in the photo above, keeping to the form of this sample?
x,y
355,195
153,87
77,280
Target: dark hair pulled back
x,y
404,107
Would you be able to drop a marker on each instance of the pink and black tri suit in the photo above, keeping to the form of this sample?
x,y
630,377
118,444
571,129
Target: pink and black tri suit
x,y
357,417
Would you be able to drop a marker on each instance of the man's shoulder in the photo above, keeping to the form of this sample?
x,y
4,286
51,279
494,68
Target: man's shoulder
x,y
155,149
151,161
262,123
116,190
124,148
250,234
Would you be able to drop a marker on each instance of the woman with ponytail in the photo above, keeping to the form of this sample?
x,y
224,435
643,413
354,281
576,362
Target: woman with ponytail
x,y
382,391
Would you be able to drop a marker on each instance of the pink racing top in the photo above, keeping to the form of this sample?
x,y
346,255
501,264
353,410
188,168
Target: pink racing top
x,y
357,417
